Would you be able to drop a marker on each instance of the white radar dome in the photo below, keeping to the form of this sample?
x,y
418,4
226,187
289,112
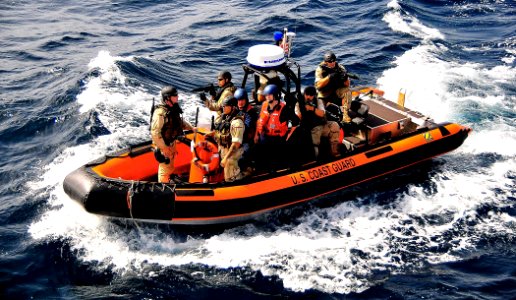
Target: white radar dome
x,y
266,56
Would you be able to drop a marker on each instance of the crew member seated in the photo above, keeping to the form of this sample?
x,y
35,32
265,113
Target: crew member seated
x,y
313,118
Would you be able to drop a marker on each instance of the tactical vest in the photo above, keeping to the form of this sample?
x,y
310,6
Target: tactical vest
x,y
173,123
221,90
325,72
224,131
311,120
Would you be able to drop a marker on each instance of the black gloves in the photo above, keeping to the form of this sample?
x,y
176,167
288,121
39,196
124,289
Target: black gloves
x,y
212,90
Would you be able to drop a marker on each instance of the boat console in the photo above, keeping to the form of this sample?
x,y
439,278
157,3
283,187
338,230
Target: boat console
x,y
383,123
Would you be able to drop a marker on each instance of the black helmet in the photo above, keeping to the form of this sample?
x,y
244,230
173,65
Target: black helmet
x,y
230,101
329,57
224,75
240,93
310,91
168,91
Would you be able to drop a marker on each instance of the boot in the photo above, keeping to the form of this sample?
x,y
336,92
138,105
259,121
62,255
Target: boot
x,y
345,116
345,106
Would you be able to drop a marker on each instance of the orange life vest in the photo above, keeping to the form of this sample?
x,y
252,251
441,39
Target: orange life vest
x,y
269,122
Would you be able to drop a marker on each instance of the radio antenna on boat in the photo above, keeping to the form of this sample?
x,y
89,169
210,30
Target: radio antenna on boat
x,y
196,116
288,41
151,113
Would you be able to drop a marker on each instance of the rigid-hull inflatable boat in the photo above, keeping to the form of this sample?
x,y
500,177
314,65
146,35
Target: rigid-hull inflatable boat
x,y
383,137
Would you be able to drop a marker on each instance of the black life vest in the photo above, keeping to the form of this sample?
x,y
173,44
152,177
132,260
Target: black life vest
x,y
311,120
173,123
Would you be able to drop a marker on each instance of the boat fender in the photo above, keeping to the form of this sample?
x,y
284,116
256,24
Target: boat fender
x,y
208,157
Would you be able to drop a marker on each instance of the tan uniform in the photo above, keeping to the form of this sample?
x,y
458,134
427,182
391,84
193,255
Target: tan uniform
x,y
321,128
328,130
217,105
161,120
323,92
231,169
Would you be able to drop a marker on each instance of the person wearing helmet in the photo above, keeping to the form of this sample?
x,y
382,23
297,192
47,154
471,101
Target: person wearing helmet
x,y
250,115
271,129
272,122
229,135
270,77
248,112
313,118
226,88
332,83
167,124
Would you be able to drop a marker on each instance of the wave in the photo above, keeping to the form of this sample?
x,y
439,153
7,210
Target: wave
x,y
401,21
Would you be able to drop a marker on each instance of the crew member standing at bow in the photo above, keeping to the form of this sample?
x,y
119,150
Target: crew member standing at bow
x,y
332,83
226,88
167,125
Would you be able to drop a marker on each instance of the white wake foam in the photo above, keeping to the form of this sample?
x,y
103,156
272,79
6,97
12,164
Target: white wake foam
x,y
400,21
337,249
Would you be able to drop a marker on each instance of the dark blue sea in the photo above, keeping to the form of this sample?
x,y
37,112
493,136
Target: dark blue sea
x,y
77,80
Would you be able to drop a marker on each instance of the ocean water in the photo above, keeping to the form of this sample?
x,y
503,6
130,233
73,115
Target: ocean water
x,y
77,81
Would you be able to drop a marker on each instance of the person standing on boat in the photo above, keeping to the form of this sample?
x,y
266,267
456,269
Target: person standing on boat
x,y
250,115
229,135
332,83
271,128
314,119
226,88
167,125
248,112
